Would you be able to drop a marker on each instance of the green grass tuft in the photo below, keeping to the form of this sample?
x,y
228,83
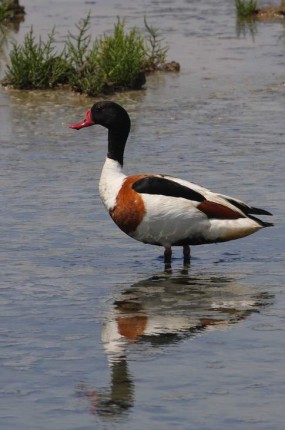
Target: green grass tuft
x,y
36,65
121,56
112,62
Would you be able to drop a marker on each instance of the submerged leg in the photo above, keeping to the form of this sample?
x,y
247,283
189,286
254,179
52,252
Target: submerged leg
x,y
167,257
186,255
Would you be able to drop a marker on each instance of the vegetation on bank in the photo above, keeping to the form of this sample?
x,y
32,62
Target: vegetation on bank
x,y
10,10
5,13
110,63
246,8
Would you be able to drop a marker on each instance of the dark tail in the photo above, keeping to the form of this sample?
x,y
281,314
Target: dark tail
x,y
257,211
259,221
250,211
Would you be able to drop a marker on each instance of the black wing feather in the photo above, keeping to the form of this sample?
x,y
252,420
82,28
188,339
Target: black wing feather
x,y
165,187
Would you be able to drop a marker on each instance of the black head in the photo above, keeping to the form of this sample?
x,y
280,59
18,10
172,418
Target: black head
x,y
108,114
115,119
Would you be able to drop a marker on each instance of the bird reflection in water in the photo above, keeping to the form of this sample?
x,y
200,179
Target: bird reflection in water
x,y
160,311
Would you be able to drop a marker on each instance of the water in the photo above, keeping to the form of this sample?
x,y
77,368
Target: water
x,y
93,333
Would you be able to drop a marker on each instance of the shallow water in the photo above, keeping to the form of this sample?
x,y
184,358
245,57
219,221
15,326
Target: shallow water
x,y
93,333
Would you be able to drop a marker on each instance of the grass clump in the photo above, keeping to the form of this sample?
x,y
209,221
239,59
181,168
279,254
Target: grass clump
x,y
121,56
36,65
246,8
112,62
87,76
156,49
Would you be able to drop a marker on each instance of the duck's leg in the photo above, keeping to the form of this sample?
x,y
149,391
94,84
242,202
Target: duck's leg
x,y
186,255
167,257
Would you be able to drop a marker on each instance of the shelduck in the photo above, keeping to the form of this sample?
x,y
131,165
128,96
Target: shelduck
x,y
159,209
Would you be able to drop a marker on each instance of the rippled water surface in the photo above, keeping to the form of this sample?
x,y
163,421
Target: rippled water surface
x,y
93,333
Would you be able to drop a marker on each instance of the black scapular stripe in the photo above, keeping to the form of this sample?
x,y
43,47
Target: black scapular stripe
x,y
166,187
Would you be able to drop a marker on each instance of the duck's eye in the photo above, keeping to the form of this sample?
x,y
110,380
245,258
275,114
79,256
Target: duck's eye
x,y
99,108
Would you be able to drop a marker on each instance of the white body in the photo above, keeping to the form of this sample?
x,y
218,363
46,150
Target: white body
x,y
168,220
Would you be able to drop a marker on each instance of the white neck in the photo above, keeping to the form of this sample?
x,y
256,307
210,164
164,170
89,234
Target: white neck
x,y
111,180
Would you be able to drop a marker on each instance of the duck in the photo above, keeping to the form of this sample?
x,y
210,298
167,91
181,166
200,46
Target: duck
x,y
160,209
